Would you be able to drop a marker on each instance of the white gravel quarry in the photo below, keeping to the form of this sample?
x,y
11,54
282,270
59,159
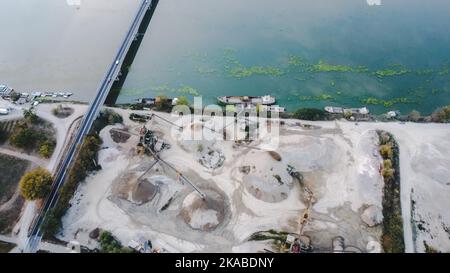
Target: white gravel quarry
x,y
339,162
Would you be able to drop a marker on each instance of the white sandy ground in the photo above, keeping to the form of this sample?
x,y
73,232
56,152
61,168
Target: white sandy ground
x,y
340,160
62,127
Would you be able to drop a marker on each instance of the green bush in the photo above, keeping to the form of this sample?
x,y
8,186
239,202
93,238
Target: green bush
x,y
310,114
46,148
392,239
51,223
23,137
109,244
15,96
30,116
441,115
414,116
106,117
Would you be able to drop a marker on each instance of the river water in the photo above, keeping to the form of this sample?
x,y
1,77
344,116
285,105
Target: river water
x,y
58,45
393,56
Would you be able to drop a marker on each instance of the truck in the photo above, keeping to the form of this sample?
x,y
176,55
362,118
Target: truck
x,y
4,111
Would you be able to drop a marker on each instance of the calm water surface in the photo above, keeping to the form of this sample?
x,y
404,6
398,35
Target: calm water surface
x,y
306,53
50,45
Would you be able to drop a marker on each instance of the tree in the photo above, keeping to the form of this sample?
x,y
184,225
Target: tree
x,y
414,116
51,223
15,96
388,172
163,103
109,244
30,116
36,184
23,137
387,163
386,151
441,115
114,118
348,115
46,149
182,101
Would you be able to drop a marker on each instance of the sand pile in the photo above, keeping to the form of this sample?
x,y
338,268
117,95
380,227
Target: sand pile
x,y
203,214
119,136
144,191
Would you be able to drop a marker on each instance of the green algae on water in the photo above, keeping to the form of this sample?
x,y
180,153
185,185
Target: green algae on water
x,y
321,66
390,73
187,90
386,103
243,72
321,97
297,61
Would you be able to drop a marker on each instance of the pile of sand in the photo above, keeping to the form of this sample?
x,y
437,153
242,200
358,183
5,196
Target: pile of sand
x,y
203,214
144,191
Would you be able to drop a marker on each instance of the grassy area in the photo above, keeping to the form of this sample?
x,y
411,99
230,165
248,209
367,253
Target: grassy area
x,y
11,170
9,217
6,247
6,128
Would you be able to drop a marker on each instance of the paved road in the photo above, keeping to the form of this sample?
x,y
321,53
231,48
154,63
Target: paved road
x,y
86,124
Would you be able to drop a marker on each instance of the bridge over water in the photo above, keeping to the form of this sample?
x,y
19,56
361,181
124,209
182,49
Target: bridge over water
x,y
113,74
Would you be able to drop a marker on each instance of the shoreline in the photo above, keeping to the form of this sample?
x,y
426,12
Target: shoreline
x,y
292,114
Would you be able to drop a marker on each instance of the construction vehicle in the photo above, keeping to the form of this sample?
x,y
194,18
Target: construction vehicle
x,y
295,174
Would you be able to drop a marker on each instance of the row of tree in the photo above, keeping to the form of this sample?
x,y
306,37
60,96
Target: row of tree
x,y
392,239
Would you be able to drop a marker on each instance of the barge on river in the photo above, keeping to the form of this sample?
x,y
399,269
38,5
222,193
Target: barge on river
x,y
246,100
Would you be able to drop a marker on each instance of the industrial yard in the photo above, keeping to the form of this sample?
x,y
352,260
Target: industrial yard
x,y
323,181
